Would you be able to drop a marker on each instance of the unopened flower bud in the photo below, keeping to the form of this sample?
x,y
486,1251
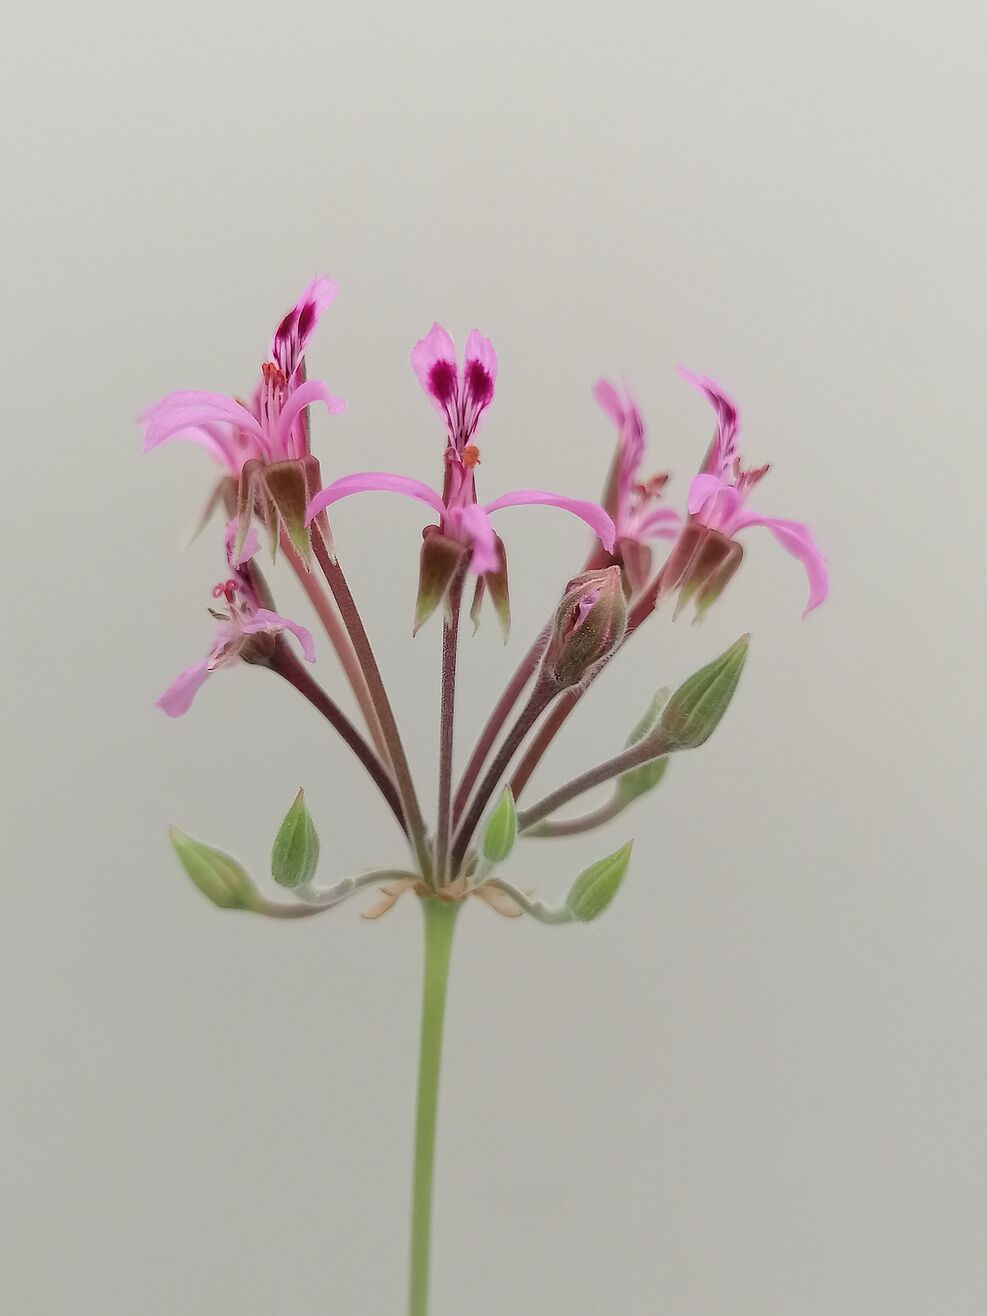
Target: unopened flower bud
x,y
595,888
589,626
295,856
500,832
694,711
217,875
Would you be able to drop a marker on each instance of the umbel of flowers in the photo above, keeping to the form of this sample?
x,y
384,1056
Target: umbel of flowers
x,y
271,486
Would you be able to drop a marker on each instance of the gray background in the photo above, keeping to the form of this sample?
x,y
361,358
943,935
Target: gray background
x,y
755,1088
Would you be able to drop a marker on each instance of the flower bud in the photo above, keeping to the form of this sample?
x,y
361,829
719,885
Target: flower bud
x,y
594,889
694,711
217,875
588,627
295,856
500,832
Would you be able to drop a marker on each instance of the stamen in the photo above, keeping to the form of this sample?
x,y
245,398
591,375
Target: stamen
x,y
470,456
226,589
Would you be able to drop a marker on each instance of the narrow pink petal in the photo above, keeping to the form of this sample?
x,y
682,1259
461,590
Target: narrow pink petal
x,y
265,620
594,516
313,390
177,699
476,525
663,523
795,538
724,446
372,481
703,487
188,410
433,359
609,399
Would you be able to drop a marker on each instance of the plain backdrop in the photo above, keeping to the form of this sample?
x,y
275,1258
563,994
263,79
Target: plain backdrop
x,y
757,1086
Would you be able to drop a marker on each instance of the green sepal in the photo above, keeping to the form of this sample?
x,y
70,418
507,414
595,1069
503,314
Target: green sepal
x,y
500,832
217,875
287,492
440,559
694,711
295,856
595,888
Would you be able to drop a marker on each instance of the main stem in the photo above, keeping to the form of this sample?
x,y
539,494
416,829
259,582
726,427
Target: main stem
x,y
440,920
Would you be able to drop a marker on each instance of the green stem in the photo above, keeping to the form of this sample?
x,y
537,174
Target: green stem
x,y
440,919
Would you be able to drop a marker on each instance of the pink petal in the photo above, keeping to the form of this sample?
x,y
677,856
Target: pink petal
x,y
265,620
177,699
373,481
301,397
476,525
594,516
724,446
795,538
433,359
192,409
251,544
663,523
479,369
714,503
609,399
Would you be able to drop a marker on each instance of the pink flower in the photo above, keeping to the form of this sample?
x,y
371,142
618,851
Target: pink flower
x,y
461,398
242,619
275,425
718,494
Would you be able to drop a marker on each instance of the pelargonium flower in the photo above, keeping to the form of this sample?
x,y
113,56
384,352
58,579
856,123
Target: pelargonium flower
x,y
631,501
272,430
237,633
717,501
464,526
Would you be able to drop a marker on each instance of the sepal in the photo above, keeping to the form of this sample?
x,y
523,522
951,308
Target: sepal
x,y
441,558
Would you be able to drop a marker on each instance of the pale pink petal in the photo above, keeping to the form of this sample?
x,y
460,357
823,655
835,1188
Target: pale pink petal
x,y
795,538
476,526
662,523
433,359
265,620
251,544
192,409
714,503
177,699
313,390
373,481
609,399
594,516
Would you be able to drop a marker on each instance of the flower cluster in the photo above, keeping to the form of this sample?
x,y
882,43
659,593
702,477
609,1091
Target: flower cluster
x,y
272,480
